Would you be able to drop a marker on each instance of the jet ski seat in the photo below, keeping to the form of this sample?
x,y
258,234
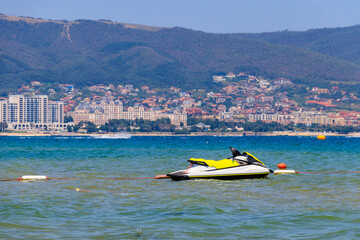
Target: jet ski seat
x,y
219,164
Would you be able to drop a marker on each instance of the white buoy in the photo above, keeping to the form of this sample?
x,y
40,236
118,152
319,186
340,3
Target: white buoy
x,y
33,177
284,171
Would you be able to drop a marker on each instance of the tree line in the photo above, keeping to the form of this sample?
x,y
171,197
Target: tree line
x,y
118,125
261,126
164,125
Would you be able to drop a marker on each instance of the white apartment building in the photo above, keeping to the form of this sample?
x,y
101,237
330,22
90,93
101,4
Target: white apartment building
x,y
100,112
270,117
35,112
305,117
138,112
312,117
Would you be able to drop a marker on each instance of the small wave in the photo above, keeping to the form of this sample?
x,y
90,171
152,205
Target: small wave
x,y
113,136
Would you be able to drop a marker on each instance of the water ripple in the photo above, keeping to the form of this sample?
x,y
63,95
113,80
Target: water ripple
x,y
303,206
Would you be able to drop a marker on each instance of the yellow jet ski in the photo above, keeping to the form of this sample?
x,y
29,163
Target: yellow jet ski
x,y
240,165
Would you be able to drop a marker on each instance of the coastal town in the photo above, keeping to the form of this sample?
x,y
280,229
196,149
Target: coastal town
x,y
240,99
185,120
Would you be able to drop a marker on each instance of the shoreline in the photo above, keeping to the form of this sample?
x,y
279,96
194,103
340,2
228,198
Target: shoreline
x,y
224,134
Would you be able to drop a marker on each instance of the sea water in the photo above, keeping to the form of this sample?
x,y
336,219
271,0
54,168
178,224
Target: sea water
x,y
302,206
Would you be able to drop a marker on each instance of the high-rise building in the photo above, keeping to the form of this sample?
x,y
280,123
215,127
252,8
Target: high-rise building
x,y
56,112
16,109
22,112
3,110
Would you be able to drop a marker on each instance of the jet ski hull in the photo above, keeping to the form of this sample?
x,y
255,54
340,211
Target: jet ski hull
x,y
240,172
180,177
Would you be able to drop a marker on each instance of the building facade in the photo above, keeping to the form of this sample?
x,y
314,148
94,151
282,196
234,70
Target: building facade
x,y
100,112
306,117
35,112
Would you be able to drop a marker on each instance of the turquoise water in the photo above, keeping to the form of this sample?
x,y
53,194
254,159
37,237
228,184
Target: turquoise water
x,y
303,206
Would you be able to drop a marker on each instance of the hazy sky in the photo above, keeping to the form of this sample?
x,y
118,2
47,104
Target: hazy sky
x,y
221,16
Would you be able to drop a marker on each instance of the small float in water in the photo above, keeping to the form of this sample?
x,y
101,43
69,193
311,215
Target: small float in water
x,y
116,135
321,137
240,165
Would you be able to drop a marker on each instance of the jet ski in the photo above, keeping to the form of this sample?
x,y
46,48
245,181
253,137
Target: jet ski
x,y
240,165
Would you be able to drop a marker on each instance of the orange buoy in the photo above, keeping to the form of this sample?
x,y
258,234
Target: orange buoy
x,y
282,166
321,137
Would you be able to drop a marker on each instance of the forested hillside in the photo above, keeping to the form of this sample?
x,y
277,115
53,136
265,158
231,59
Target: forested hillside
x,y
87,52
342,43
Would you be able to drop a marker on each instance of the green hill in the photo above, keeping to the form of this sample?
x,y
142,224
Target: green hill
x,y
342,43
86,52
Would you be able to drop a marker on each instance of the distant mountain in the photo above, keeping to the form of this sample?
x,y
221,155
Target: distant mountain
x,y
85,52
342,43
